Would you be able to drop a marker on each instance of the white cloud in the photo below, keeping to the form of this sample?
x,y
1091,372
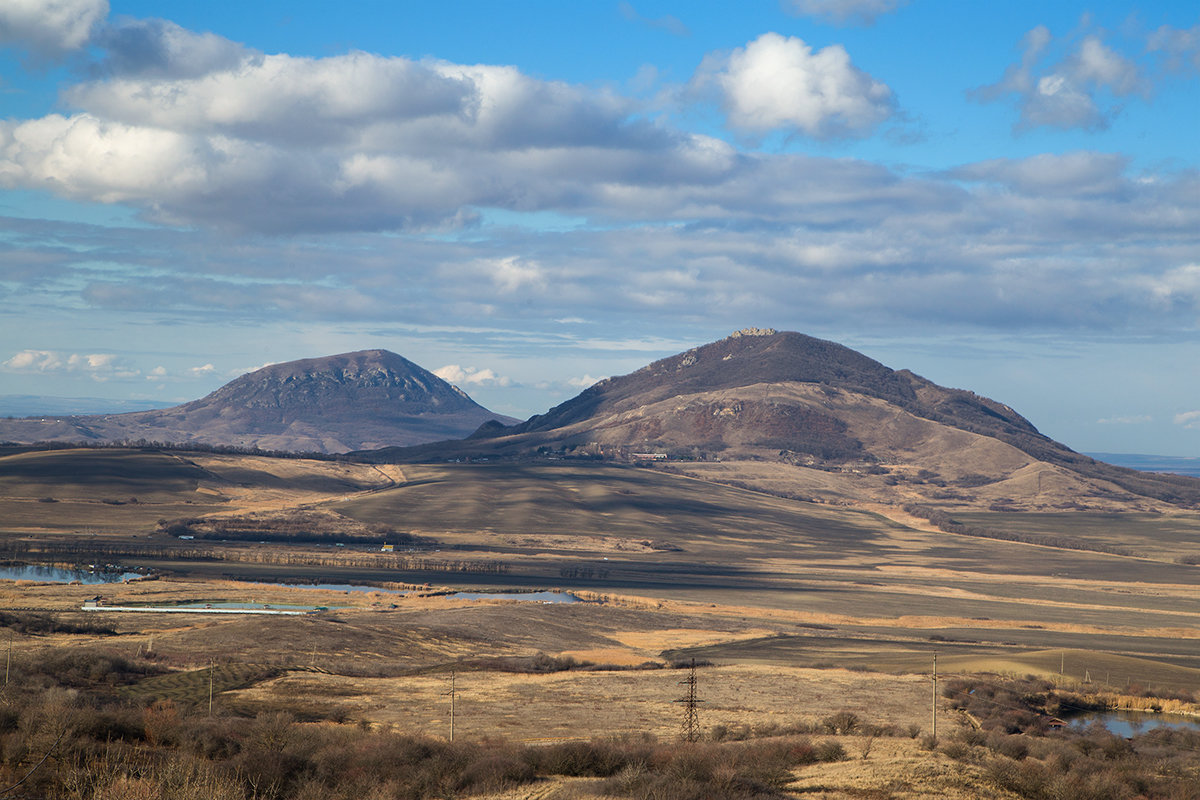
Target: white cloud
x,y
36,360
240,371
583,382
463,376
778,82
1177,286
1188,419
202,371
193,129
99,366
50,28
513,273
841,12
199,131
1079,90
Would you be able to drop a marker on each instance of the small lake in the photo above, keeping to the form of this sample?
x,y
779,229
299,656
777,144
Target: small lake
x,y
1132,723
45,574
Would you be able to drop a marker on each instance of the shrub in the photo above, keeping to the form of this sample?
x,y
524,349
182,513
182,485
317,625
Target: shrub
x,y
830,750
842,723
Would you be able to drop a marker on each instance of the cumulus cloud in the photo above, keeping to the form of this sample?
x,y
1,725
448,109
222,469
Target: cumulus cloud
x,y
583,381
50,28
1081,89
100,366
1188,419
160,48
512,273
842,12
192,129
199,131
780,83
464,376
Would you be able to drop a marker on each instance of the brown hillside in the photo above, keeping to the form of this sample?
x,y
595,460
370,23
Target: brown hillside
x,y
840,427
366,399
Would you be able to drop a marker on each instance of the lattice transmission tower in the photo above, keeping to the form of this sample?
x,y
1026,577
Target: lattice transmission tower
x,y
690,731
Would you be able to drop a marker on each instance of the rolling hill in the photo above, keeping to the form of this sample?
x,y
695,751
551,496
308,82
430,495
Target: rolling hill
x,y
352,401
812,419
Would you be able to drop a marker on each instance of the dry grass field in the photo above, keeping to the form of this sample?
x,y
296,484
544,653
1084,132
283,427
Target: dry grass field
x,y
797,610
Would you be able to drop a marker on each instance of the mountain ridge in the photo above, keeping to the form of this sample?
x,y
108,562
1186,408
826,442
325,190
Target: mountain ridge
x,y
331,404
817,410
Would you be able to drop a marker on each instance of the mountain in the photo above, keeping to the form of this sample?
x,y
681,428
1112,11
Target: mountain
x,y
813,419
352,401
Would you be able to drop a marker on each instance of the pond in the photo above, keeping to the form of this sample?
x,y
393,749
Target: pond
x,y
1131,723
45,574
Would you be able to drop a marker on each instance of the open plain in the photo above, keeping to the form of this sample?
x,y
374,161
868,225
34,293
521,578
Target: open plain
x,y
796,611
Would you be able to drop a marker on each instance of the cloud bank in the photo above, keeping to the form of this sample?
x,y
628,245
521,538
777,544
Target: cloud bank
x,y
268,173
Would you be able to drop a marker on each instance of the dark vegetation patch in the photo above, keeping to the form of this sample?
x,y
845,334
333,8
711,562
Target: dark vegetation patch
x,y
301,525
63,733
32,624
1019,741
541,663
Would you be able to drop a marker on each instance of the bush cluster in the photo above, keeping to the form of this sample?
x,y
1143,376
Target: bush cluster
x,y
1023,752
67,732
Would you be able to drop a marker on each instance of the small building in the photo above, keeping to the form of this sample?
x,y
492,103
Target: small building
x,y
388,548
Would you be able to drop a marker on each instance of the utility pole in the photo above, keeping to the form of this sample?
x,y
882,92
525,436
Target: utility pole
x,y
8,659
691,719
211,669
452,694
934,704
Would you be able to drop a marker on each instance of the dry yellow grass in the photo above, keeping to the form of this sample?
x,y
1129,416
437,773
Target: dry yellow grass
x,y
275,488
650,643
565,705
897,769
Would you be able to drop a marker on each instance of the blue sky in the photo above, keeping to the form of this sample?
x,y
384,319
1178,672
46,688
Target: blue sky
x,y
1003,197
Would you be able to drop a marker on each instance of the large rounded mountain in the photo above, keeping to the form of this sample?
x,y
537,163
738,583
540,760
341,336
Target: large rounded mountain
x,y
810,418
353,401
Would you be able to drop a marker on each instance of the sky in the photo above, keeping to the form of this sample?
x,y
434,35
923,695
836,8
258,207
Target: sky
x,y
527,197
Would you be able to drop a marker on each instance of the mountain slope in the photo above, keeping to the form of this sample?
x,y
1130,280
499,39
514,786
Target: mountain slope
x,y
366,399
811,418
